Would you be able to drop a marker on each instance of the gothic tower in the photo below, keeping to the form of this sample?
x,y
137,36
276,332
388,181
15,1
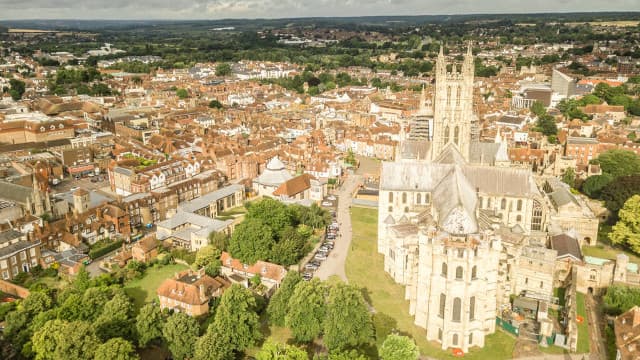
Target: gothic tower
x,y
453,106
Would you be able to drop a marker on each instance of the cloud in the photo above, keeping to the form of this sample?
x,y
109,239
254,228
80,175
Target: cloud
x,y
219,9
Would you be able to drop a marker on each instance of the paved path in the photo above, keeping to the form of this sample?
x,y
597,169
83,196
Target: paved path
x,y
334,264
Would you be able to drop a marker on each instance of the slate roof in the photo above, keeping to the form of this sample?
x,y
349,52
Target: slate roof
x,y
14,192
566,245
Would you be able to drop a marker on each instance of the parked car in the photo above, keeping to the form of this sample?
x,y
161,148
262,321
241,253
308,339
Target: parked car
x,y
320,256
307,276
74,188
328,245
311,266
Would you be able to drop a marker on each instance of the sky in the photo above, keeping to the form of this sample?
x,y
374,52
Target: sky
x,y
222,9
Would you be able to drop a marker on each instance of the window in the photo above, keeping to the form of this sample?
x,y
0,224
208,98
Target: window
x,y
472,308
444,270
418,198
404,198
455,339
406,209
446,134
471,339
440,334
460,253
519,218
5,275
458,96
503,204
390,197
448,95
519,205
489,203
541,284
526,281
474,272
456,135
459,272
443,303
390,208
593,274
536,220
457,309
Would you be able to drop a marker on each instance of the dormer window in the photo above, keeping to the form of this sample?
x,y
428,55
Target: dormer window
x,y
61,126
42,128
52,127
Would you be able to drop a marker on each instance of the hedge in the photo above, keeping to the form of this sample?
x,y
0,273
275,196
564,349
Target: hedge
x,y
105,249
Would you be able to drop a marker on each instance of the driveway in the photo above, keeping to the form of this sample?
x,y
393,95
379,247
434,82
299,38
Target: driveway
x,y
334,264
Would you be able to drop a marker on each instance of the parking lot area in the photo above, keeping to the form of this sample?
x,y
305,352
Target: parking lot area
x,y
87,183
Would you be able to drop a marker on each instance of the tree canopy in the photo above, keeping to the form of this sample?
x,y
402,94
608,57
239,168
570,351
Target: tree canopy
x,y
180,332
626,231
116,349
279,302
348,323
618,162
397,347
275,351
307,310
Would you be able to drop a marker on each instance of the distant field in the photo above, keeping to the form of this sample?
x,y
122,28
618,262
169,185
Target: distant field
x,y
30,31
607,23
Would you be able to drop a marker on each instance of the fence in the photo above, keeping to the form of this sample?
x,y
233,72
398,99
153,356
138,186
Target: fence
x,y
507,326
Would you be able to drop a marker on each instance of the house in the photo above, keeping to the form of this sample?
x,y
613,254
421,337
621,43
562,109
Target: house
x,y
17,254
627,330
274,175
189,230
190,292
302,187
145,250
271,275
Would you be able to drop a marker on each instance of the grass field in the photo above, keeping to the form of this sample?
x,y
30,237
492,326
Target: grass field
x,y
143,290
364,268
605,249
583,328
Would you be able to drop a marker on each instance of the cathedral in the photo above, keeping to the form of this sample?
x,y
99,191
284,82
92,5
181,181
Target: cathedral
x,y
448,207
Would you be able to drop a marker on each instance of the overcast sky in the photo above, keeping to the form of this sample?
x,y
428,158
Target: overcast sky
x,y
220,9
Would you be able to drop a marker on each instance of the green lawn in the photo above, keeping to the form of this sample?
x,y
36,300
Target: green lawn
x,y
583,327
364,268
143,290
605,249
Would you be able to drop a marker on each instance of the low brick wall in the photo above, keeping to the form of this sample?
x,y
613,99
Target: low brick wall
x,y
13,289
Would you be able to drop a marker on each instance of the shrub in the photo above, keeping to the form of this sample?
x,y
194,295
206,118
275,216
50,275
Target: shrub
x,y
100,250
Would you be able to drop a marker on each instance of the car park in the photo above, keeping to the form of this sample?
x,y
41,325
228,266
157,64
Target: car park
x,y
311,266
320,256
307,276
328,245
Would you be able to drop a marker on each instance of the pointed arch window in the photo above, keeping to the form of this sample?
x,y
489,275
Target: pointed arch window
x,y
443,303
503,204
390,197
444,270
519,204
404,198
472,308
459,272
458,96
455,340
456,135
448,95
418,198
536,219
457,309
474,272
446,134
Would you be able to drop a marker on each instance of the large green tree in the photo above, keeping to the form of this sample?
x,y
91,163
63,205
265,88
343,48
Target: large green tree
x,y
290,249
252,240
275,351
593,186
58,339
116,349
307,310
397,347
223,69
17,89
626,231
619,299
236,322
618,162
273,213
149,323
617,192
36,303
116,318
180,333
279,302
348,322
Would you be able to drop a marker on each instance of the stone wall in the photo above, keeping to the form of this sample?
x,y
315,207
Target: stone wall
x,y
13,289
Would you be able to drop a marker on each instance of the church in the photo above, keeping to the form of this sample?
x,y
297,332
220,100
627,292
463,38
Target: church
x,y
448,207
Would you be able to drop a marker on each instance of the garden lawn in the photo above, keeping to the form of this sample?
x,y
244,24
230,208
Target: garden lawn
x,y
143,290
364,268
583,328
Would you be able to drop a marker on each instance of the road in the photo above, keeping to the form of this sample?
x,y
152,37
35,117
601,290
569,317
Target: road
x,y
334,264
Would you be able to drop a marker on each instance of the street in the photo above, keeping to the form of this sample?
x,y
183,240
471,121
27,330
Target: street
x,y
335,262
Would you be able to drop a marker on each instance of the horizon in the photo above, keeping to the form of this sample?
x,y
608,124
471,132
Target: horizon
x,y
220,10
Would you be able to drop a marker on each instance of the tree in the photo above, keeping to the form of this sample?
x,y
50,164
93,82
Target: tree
x,y
180,332
618,162
223,69
58,339
206,255
314,216
616,193
351,158
620,299
116,349
279,303
251,241
275,351
115,318
626,231
82,280
593,186
17,89
149,324
182,93
36,303
307,309
348,323
538,109
273,213
396,347
236,321
219,239
215,104
212,347
569,177
290,248
547,125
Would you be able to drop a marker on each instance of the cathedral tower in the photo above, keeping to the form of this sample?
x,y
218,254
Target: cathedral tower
x,y
453,106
